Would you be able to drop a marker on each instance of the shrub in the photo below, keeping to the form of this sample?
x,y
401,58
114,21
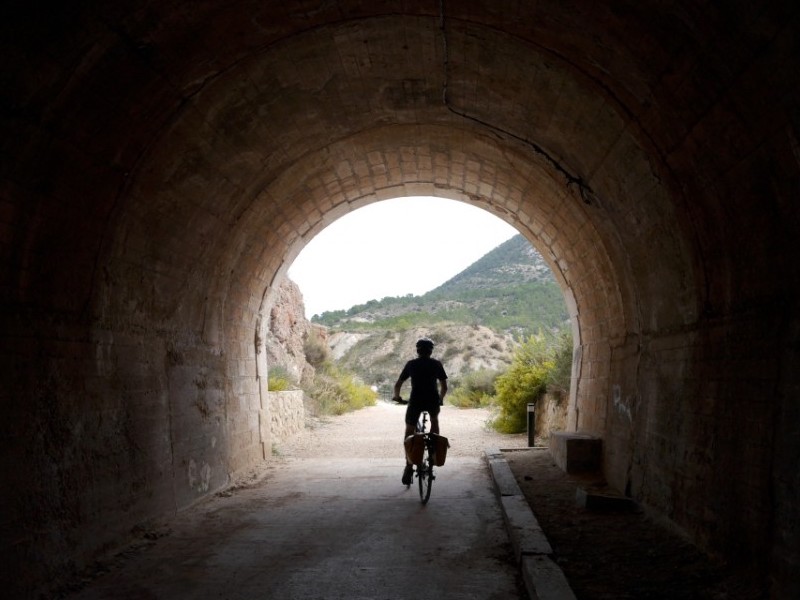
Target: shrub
x,y
316,350
442,336
449,352
278,380
475,390
524,382
335,392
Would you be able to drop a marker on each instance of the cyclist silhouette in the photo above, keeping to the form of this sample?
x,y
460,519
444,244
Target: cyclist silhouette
x,y
425,373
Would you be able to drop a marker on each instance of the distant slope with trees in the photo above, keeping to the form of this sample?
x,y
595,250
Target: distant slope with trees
x,y
510,290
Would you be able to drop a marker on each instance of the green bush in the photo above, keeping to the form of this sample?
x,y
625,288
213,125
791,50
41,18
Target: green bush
x,y
475,390
335,392
524,382
278,380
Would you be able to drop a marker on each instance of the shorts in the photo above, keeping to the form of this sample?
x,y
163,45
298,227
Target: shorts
x,y
416,407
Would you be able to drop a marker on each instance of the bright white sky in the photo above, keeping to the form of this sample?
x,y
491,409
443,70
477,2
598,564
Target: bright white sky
x,y
393,248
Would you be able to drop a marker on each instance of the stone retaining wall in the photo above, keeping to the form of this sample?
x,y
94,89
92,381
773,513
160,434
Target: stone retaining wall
x,y
551,416
287,414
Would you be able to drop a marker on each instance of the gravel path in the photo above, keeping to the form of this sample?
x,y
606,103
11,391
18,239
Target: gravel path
x,y
377,432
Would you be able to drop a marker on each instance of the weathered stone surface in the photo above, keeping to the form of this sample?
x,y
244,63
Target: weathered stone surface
x,y
288,330
287,413
162,168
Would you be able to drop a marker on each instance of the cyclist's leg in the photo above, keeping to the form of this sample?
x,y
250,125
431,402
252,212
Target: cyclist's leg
x,y
435,424
409,431
412,414
433,411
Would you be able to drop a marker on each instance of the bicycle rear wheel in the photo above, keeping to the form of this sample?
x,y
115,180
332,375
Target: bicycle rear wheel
x,y
425,474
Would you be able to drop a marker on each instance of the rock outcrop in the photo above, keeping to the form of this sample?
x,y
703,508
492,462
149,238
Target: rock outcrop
x,y
288,331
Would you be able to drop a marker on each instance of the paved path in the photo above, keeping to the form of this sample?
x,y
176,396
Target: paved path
x,y
329,528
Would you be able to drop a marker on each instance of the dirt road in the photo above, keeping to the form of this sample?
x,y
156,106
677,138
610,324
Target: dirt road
x,y
379,430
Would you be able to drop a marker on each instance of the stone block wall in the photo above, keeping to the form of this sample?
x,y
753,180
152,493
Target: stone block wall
x,y
287,414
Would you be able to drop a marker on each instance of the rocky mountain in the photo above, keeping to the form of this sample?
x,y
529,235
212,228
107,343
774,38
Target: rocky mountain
x,y
511,290
513,262
475,318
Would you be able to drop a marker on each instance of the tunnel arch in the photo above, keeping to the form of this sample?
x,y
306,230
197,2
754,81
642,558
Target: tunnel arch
x,y
225,198
162,166
543,209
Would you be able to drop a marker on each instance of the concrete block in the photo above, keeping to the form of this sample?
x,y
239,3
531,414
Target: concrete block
x,y
505,482
493,453
526,535
544,579
576,452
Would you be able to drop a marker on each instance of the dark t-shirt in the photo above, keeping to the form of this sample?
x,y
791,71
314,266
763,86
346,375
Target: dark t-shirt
x,y
424,373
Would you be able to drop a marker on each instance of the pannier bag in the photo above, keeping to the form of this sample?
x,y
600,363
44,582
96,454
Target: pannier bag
x,y
441,444
415,448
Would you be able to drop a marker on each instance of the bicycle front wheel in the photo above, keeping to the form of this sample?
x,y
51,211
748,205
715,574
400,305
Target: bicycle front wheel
x,y
425,475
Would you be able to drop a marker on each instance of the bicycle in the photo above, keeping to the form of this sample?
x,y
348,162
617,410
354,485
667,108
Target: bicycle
x,y
423,468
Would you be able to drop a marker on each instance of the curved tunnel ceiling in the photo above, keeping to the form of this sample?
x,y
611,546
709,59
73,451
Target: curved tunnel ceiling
x,y
264,154
164,163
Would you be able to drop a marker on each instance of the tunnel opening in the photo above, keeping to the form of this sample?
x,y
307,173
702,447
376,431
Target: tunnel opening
x,y
151,149
567,294
431,241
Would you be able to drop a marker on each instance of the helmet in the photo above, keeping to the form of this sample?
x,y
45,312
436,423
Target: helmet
x,y
425,343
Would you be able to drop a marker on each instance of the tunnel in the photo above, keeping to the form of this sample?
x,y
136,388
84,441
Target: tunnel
x,y
163,164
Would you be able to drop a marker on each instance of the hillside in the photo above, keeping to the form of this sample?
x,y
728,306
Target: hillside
x,y
513,262
475,318
510,290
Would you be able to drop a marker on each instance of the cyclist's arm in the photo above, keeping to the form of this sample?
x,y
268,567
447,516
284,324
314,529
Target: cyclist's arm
x,y
442,390
397,387
404,374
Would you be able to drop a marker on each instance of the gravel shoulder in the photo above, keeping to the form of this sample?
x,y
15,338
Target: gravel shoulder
x,y
620,554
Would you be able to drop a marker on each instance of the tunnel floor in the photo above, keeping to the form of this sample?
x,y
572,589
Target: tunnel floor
x,y
329,518
328,528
